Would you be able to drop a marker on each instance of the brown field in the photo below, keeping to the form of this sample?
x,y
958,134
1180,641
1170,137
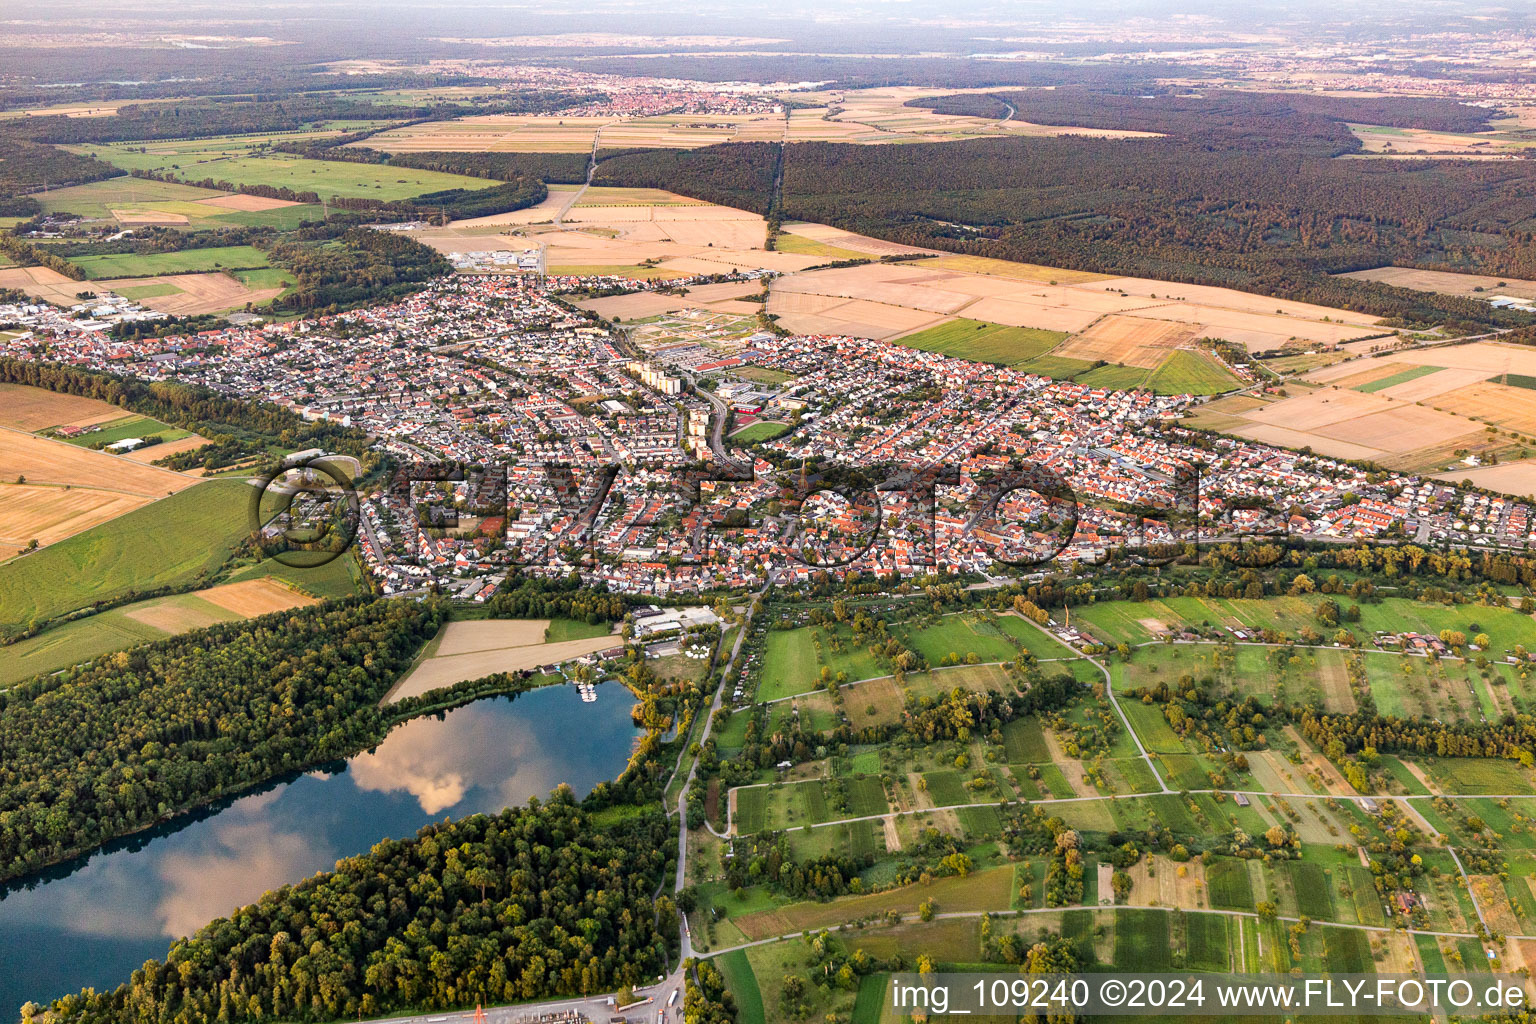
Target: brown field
x,y
1408,142
149,218
634,306
470,650
848,240
45,284
1433,385
29,409
210,292
1488,356
175,615
1017,271
1395,434
157,452
1130,340
249,204
50,514
1508,477
1447,283
1073,303
1374,370
873,116
250,598
45,461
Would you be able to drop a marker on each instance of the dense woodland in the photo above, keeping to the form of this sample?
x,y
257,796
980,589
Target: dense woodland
x,y
736,174
31,167
530,903
560,168
1242,190
357,265
103,750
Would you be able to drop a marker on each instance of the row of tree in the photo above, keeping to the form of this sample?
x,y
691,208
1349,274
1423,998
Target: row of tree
x,y
125,741
532,903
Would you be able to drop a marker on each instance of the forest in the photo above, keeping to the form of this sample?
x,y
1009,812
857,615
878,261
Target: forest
x,y
30,167
1241,191
561,168
530,903
347,266
106,749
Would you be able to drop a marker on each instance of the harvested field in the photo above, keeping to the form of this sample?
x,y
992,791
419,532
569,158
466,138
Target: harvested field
x,y
1432,385
638,305
49,514
469,650
175,615
1490,357
1511,407
1128,340
841,239
42,283
490,635
30,409
1044,298
45,461
250,204
1470,285
1508,477
255,597
149,218
1350,424
187,294
157,452
1015,271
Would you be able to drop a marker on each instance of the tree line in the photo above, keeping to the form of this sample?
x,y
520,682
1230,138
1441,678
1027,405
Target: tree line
x,y
131,738
1238,193
191,406
531,903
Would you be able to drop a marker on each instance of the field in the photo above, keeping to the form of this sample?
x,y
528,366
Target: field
x,y
49,514
42,283
887,301
68,488
31,409
876,116
233,159
1409,409
641,306
43,460
471,649
125,427
984,343
190,294
144,549
188,261
144,621
130,200
760,431
1468,285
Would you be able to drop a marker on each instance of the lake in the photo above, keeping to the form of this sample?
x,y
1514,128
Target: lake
x,y
94,921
